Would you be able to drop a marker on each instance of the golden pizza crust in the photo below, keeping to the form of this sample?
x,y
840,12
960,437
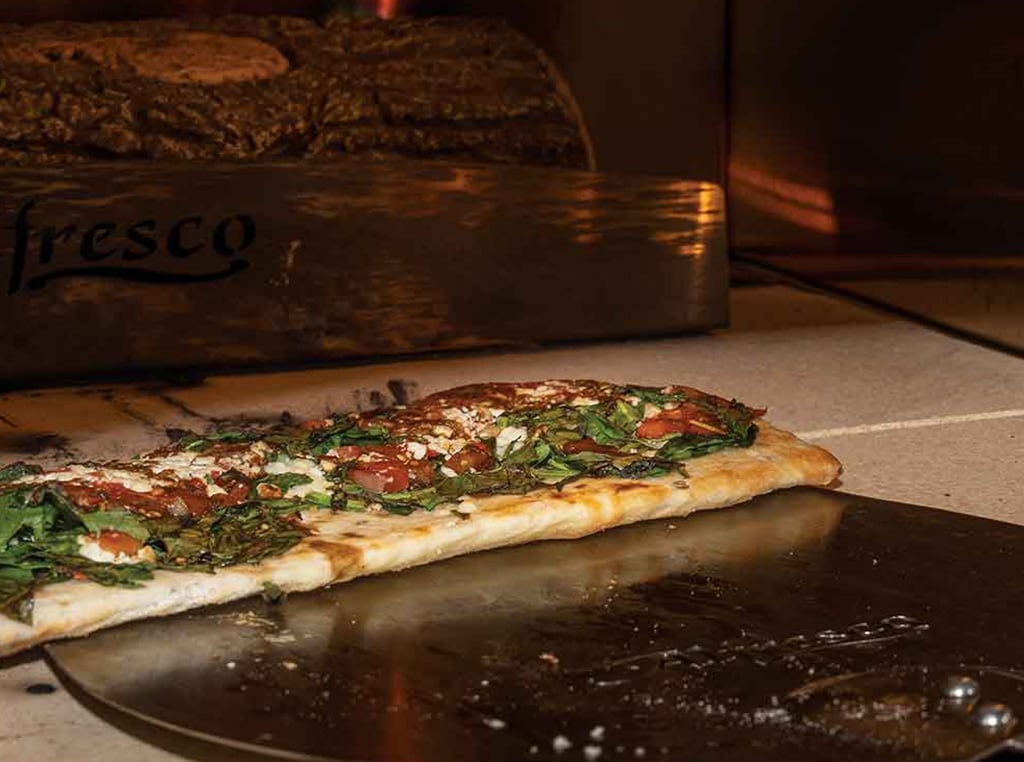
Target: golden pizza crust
x,y
348,545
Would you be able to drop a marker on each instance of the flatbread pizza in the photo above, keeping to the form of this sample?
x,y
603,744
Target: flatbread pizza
x,y
221,515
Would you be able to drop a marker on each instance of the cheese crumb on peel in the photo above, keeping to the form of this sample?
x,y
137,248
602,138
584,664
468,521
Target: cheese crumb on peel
x,y
560,744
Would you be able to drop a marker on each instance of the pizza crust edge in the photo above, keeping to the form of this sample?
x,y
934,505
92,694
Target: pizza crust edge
x,y
349,545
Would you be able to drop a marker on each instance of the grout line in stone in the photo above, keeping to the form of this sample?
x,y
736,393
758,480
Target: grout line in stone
x,y
914,423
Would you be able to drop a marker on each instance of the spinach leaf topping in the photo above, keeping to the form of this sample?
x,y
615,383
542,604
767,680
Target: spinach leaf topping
x,y
193,442
117,521
343,431
18,470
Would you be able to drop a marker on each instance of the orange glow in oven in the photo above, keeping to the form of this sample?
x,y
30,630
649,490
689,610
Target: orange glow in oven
x,y
387,9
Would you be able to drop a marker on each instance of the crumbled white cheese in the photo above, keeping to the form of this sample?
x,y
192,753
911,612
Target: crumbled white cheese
x,y
417,450
79,473
460,416
89,547
508,439
541,390
443,442
186,465
560,744
584,402
304,466
179,462
248,461
448,472
214,489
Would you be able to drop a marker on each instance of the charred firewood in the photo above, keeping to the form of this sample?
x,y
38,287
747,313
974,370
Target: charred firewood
x,y
241,87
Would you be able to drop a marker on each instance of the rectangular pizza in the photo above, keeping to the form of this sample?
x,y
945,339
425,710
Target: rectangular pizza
x,y
217,516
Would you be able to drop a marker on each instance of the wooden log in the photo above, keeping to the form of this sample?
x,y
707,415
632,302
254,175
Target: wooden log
x,y
243,87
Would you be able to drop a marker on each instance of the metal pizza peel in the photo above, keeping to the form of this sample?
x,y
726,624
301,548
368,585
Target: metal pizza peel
x,y
806,625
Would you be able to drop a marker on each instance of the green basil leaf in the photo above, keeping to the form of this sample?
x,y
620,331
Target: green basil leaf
x,y
18,470
16,594
556,470
686,446
530,452
644,468
199,442
285,482
115,521
600,430
625,417
18,516
427,498
653,395
345,431
343,502
111,575
319,499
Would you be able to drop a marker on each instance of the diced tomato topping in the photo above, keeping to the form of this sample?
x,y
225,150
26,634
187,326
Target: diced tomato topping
x,y
347,452
236,488
688,418
190,493
708,399
188,497
421,471
472,457
380,476
315,425
84,496
269,491
588,445
118,543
